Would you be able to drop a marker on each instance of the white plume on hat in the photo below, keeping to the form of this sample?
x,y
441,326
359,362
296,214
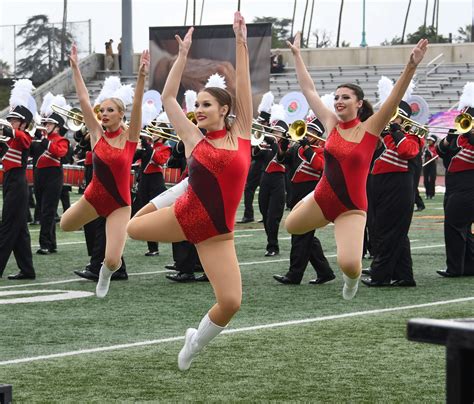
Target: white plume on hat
x,y
163,118
111,84
311,115
45,109
124,93
328,101
409,91
385,86
21,92
149,112
190,97
266,102
277,113
467,96
216,80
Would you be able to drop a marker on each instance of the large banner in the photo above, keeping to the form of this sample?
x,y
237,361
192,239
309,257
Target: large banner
x,y
212,51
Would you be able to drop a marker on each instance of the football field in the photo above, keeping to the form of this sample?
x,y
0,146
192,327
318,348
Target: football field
x,y
59,343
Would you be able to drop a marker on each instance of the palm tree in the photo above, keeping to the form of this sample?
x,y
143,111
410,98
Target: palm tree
x,y
310,23
293,19
339,24
304,21
202,11
63,33
405,24
426,12
186,12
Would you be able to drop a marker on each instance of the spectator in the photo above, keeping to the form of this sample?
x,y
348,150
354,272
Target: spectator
x,y
109,55
277,65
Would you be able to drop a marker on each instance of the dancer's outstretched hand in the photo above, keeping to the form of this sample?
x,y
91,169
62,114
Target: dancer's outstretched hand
x,y
296,45
185,43
240,29
73,59
419,51
144,62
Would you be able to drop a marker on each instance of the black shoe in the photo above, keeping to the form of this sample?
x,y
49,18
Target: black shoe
x,y
20,276
181,277
202,278
271,253
87,274
246,220
372,283
152,253
119,276
320,281
53,250
404,283
260,221
367,272
419,208
198,268
447,274
42,251
171,266
35,223
285,280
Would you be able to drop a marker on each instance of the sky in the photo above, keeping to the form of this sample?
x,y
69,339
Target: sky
x,y
384,18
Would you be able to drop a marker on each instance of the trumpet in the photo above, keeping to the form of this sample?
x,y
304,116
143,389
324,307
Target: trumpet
x,y
191,115
299,129
462,124
409,125
74,117
154,132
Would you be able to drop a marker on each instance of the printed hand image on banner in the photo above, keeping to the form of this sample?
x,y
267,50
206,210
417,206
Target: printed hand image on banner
x,y
212,51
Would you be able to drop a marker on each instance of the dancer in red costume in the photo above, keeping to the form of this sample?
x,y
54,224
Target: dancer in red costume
x,y
218,165
108,194
340,195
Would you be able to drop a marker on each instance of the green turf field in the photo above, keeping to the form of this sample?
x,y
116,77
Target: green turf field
x,y
288,343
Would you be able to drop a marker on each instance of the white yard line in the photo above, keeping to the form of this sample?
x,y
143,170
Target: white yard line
x,y
235,330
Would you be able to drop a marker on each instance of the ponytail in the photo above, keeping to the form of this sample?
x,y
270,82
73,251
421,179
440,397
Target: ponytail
x,y
365,111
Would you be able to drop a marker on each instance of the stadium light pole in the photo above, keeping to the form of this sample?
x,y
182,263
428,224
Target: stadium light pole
x,y
363,43
127,46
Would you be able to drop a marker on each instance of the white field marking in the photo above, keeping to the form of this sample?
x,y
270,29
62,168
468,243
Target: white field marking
x,y
245,230
162,272
242,235
236,330
47,296
59,244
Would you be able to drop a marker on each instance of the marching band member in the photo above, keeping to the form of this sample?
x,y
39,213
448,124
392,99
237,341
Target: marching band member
x,y
218,167
340,195
305,161
49,171
108,194
392,205
15,142
153,154
457,152
257,165
271,198
429,166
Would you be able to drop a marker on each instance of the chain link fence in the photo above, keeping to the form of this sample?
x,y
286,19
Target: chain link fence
x,y
9,41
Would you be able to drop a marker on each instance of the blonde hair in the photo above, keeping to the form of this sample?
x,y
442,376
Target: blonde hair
x,y
118,103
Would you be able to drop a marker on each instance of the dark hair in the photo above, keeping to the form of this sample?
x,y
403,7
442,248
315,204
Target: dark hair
x,y
366,110
223,97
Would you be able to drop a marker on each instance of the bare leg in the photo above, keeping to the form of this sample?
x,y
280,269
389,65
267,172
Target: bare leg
x,y
349,234
79,214
305,216
155,225
219,260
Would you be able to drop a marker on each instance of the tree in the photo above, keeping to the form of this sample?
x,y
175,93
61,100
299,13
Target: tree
x,y
406,19
4,69
429,33
464,34
323,39
280,30
41,41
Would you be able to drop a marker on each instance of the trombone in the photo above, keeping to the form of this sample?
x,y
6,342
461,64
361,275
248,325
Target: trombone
x,y
74,117
299,129
155,132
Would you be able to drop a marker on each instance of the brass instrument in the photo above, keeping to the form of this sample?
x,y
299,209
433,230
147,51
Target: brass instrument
x,y
299,129
155,132
462,124
191,115
74,117
4,123
409,125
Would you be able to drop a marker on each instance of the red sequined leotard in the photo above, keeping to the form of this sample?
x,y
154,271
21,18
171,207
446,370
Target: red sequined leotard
x,y
216,184
343,184
110,185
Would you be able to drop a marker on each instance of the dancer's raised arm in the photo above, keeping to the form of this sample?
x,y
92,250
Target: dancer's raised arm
x,y
136,115
95,129
381,118
325,115
184,128
243,107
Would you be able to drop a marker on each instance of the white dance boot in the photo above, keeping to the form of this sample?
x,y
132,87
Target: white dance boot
x,y
350,287
168,197
104,281
195,340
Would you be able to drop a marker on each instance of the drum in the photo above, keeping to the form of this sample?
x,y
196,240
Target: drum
x,y
73,175
171,175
